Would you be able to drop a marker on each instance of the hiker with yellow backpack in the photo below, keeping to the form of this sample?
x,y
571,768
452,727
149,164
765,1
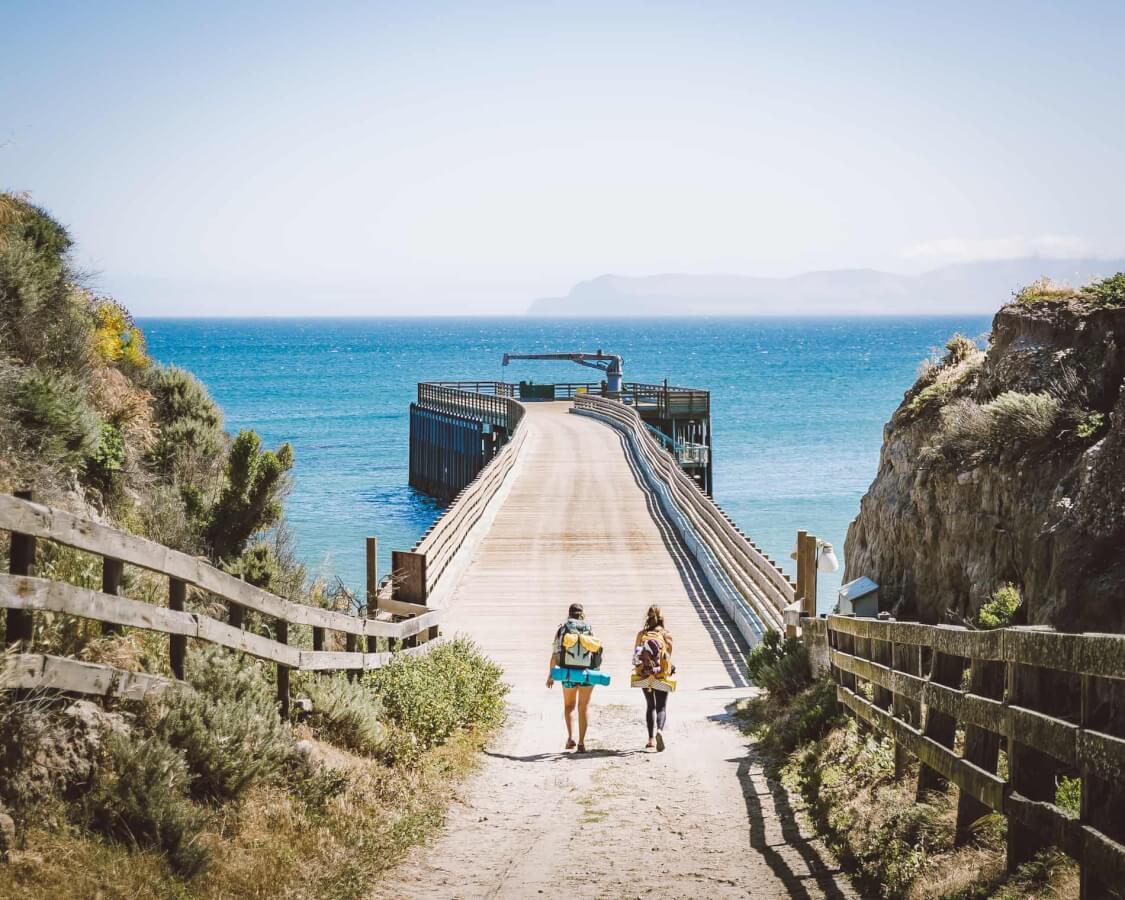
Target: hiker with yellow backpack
x,y
576,658
654,673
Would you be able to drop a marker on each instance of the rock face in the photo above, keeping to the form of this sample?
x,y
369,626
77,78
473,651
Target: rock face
x,y
1007,466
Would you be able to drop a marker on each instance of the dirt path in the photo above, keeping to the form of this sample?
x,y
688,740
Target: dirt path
x,y
700,819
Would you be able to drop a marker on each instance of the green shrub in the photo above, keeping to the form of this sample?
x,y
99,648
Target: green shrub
x,y
58,422
779,665
1090,424
227,728
1109,292
191,425
432,695
140,798
345,713
251,498
1000,609
104,465
1068,795
806,718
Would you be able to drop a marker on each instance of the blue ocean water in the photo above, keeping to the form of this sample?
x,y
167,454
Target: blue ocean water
x,y
798,407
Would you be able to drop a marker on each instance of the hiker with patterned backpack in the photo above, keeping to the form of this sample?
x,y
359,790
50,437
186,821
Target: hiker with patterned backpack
x,y
576,658
654,673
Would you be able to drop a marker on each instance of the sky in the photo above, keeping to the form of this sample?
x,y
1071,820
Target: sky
x,y
366,158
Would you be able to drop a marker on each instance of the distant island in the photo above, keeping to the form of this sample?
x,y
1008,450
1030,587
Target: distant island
x,y
961,288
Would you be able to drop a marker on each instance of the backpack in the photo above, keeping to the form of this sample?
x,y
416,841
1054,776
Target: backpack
x,y
578,648
650,658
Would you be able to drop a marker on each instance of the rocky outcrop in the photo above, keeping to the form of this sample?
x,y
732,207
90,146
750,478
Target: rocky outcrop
x,y
1008,465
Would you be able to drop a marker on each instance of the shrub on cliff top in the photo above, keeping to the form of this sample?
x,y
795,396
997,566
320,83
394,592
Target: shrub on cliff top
x,y
1109,292
1042,291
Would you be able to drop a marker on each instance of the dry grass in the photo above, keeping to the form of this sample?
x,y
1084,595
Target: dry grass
x,y
941,379
271,845
1043,291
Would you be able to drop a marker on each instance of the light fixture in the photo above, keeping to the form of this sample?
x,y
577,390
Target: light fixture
x,y
793,552
826,561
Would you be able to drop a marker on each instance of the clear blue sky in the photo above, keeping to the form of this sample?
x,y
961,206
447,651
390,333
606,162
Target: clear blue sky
x,y
365,158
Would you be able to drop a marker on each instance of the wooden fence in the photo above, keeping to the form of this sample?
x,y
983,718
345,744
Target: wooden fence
x,y
746,576
22,595
955,698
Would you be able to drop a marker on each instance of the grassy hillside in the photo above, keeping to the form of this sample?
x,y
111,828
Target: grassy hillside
x,y
202,791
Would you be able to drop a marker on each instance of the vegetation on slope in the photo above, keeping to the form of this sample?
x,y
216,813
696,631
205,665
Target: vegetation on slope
x,y
140,799
844,774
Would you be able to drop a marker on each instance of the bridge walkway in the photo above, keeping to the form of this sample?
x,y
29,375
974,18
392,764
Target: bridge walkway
x,y
700,819
579,525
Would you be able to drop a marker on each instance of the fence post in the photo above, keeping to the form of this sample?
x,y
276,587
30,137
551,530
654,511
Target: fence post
x,y
112,571
808,607
21,560
940,727
282,628
177,643
982,746
906,658
372,547
234,611
799,591
1102,798
1031,773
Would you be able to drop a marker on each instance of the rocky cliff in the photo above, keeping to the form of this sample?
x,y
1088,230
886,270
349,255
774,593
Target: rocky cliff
x,y
1008,466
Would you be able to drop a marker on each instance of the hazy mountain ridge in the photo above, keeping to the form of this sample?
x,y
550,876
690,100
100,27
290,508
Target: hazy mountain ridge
x,y
961,288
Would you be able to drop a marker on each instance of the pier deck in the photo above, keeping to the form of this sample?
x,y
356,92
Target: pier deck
x,y
580,525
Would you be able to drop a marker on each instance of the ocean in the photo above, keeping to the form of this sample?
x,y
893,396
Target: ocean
x,y
798,408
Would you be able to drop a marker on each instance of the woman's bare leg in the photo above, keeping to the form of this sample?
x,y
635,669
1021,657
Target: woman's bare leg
x,y
570,700
584,694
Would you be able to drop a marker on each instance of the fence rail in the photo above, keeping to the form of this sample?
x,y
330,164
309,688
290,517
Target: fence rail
x,y
1052,701
742,575
22,595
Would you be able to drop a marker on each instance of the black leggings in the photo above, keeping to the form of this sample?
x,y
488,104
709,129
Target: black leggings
x,y
656,703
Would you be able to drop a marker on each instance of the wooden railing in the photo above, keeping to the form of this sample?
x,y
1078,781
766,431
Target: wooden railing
x,y
741,574
1052,701
441,544
22,595
493,408
420,571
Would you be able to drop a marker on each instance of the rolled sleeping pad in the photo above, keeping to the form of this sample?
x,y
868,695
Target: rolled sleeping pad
x,y
580,676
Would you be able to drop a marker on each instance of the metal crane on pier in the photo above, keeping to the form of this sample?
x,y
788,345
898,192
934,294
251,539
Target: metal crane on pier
x,y
605,362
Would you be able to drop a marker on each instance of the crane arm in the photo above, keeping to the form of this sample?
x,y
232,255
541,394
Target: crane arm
x,y
605,362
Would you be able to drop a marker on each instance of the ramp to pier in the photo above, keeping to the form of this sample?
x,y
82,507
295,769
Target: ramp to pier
x,y
698,820
579,525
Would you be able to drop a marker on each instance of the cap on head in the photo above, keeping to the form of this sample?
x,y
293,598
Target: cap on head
x,y
576,611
